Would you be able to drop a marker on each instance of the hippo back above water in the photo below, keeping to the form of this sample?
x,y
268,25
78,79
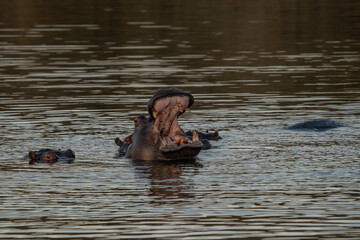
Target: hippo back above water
x,y
318,125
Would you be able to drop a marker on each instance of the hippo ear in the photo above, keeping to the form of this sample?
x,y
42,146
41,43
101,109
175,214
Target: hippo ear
x,y
33,157
128,140
118,142
69,153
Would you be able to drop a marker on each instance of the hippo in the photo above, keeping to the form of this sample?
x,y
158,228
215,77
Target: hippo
x,y
318,125
159,136
51,156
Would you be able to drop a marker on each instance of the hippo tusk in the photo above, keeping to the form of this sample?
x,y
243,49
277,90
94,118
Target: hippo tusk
x,y
188,109
162,142
180,108
178,141
154,113
195,137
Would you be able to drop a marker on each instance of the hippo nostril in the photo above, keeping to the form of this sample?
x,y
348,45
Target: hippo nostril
x,y
49,157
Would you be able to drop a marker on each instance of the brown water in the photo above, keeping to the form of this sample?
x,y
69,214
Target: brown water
x,y
74,74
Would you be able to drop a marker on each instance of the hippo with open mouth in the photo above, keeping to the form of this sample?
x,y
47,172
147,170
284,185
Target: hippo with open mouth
x,y
159,137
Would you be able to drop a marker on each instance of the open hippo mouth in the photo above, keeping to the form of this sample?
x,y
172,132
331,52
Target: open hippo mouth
x,y
164,108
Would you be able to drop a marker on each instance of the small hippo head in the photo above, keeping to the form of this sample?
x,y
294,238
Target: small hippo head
x,y
123,145
50,156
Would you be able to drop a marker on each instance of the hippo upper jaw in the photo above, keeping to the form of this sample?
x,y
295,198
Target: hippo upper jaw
x,y
165,108
162,94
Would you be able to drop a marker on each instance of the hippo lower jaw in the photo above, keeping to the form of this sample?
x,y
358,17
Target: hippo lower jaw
x,y
181,151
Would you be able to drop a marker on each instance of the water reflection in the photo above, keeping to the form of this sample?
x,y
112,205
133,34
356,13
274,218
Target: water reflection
x,y
167,184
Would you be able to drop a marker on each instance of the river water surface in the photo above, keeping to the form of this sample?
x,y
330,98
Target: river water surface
x,y
74,74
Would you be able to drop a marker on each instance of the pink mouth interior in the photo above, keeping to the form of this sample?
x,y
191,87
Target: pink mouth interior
x,y
166,112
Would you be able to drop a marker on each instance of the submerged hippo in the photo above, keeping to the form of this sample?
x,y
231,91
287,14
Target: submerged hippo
x,y
318,125
159,136
206,135
51,156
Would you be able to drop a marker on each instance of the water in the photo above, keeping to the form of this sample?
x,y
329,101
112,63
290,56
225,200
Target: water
x,y
74,74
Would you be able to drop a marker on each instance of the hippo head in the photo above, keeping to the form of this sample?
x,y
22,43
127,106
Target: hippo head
x,y
50,156
160,136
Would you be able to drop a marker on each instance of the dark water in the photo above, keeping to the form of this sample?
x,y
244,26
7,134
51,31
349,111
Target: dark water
x,y
74,74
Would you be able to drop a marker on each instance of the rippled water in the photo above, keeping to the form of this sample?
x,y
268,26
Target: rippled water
x,y
74,74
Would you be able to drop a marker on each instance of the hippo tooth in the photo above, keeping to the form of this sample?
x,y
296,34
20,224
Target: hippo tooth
x,y
187,109
195,137
162,142
154,113
186,140
180,107
178,141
